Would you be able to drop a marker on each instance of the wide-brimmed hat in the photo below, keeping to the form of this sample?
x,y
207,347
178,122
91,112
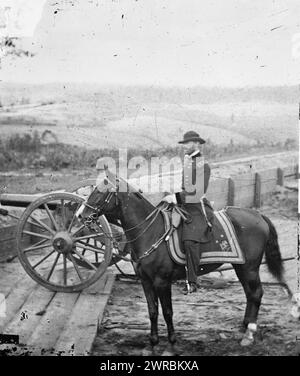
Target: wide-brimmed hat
x,y
191,136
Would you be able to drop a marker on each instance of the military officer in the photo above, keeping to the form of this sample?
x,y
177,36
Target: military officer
x,y
197,229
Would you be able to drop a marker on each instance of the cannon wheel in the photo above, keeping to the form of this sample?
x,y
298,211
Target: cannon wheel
x,y
84,188
63,255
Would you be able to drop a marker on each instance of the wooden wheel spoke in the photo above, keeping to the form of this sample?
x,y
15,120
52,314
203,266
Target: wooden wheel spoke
x,y
53,266
35,224
76,267
89,247
96,254
63,213
85,260
89,236
73,218
43,259
39,245
65,270
78,230
84,250
50,215
37,235
43,225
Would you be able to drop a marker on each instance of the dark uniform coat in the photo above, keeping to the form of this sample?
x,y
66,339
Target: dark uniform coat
x,y
198,173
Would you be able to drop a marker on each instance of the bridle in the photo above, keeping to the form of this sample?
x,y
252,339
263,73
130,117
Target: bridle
x,y
96,210
92,218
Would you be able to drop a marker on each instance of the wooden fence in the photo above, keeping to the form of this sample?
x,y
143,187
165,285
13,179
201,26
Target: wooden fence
x,y
245,190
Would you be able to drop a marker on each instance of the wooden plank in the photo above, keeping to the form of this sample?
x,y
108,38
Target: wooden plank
x,y
33,309
10,277
297,171
98,287
231,192
280,177
16,299
257,191
52,323
81,329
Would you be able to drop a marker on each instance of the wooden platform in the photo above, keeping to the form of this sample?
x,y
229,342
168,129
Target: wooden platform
x,y
49,323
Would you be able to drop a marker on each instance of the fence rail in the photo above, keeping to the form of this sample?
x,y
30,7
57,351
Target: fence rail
x,y
245,190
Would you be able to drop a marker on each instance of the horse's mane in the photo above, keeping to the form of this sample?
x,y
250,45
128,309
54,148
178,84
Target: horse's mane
x,y
136,191
130,187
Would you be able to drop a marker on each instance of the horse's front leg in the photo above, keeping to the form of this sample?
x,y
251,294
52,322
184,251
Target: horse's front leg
x,y
152,301
163,288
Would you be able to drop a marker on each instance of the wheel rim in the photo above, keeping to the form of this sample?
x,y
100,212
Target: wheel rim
x,y
56,249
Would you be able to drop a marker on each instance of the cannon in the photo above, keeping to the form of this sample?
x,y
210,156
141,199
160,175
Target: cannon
x,y
54,247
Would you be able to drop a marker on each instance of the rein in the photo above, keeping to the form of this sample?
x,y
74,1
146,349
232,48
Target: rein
x,y
96,213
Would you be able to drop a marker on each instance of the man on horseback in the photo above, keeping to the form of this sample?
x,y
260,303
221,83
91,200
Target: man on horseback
x,y
197,229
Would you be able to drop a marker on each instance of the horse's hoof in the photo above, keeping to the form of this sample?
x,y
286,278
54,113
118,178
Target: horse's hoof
x,y
248,338
246,342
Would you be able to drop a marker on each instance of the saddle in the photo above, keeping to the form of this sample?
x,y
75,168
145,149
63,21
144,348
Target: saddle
x,y
222,248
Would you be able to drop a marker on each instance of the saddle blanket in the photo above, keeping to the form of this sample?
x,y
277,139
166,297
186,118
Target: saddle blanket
x,y
223,248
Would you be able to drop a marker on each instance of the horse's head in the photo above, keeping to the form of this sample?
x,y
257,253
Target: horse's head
x,y
103,199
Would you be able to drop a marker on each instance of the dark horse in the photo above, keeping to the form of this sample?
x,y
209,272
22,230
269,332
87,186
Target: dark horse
x,y
144,229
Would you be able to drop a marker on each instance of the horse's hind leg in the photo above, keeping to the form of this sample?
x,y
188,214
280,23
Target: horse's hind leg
x,y
152,301
163,288
251,283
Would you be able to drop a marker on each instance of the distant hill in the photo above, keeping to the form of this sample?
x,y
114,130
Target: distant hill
x,y
145,117
143,94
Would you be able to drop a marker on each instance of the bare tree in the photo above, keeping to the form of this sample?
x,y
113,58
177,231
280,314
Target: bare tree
x,y
9,46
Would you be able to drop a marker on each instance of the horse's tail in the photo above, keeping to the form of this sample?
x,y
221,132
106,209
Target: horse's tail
x,y
273,256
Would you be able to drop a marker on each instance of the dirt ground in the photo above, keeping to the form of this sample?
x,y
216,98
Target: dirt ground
x,y
207,323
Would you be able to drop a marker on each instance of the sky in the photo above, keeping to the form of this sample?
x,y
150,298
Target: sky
x,y
159,42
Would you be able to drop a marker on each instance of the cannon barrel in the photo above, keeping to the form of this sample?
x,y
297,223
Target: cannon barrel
x,y
22,200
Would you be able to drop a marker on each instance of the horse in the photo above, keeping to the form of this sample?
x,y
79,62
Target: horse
x,y
143,225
